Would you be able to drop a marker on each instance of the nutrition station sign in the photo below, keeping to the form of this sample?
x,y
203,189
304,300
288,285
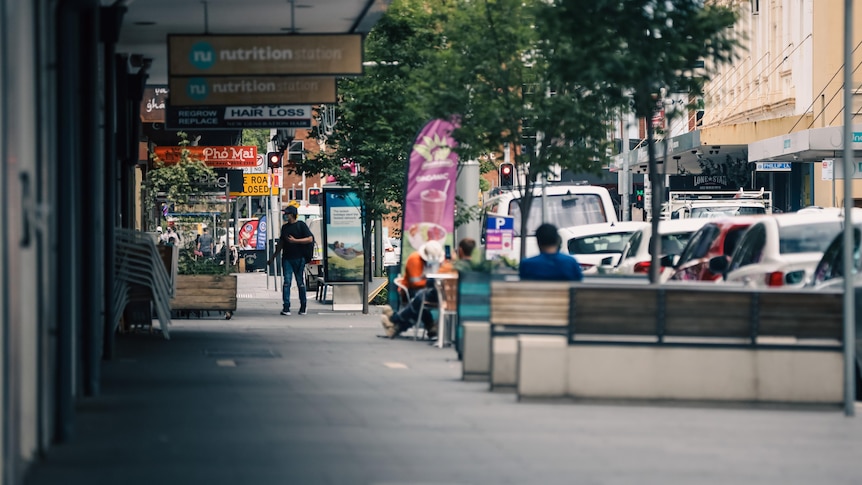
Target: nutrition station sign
x,y
264,55
232,91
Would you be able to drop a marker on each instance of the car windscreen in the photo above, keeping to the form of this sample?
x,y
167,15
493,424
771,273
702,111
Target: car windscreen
x,y
674,243
599,243
725,211
807,238
564,210
700,243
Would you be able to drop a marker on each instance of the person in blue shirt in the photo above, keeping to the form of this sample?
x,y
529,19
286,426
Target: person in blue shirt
x,y
550,265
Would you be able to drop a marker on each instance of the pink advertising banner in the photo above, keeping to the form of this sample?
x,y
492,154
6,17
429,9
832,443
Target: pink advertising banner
x,y
429,209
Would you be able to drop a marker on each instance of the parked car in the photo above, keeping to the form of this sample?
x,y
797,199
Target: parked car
x,y
718,237
674,234
829,272
566,205
391,251
596,244
780,250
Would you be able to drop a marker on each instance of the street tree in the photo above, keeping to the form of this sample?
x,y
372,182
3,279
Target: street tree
x,y
257,137
176,183
492,74
632,51
377,116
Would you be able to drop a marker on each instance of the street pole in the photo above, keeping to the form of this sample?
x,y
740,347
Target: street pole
x,y
467,188
626,176
266,247
849,161
226,246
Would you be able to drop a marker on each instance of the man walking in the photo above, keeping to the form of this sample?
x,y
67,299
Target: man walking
x,y
294,236
205,244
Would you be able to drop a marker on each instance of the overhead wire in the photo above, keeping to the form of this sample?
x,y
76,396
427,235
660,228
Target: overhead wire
x,y
837,71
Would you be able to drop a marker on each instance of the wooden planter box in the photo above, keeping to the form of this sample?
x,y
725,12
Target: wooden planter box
x,y
205,292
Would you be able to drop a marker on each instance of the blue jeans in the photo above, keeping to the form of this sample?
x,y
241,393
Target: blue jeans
x,y
408,315
295,267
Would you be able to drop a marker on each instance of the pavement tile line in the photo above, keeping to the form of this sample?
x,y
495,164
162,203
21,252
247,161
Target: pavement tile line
x,y
242,354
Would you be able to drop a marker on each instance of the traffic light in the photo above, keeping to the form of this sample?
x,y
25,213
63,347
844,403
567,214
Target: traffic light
x,y
314,196
273,159
507,175
639,198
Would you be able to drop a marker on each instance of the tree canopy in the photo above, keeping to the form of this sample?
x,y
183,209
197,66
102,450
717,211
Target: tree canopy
x,y
493,73
542,77
633,51
378,116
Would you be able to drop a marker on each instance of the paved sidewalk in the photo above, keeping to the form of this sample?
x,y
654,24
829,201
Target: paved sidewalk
x,y
321,399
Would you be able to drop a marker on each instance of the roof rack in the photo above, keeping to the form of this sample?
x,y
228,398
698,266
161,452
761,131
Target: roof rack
x,y
753,195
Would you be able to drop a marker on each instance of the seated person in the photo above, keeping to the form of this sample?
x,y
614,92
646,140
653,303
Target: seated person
x,y
550,264
406,317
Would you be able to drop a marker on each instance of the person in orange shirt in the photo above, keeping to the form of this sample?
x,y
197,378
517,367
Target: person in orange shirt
x,y
430,255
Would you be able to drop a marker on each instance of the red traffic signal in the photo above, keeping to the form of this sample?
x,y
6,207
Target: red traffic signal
x,y
314,196
273,159
507,175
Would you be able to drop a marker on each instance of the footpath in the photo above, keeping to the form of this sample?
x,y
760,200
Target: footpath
x,y
323,399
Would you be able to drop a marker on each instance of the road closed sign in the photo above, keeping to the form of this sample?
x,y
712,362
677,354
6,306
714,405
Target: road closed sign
x,y
254,184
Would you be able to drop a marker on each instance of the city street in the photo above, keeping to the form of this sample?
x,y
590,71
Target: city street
x,y
321,399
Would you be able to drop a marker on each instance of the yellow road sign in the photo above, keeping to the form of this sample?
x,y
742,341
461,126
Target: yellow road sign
x,y
255,184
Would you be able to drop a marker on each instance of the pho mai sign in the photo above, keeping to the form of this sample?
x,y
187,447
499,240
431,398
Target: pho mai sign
x,y
215,157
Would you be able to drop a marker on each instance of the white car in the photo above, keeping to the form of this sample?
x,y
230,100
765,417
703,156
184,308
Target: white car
x,y
598,244
391,253
566,205
674,236
780,250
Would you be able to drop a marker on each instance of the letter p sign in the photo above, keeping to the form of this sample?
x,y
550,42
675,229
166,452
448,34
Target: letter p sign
x,y
500,223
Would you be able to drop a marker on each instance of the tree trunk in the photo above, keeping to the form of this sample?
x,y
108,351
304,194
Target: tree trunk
x,y
525,204
657,189
366,254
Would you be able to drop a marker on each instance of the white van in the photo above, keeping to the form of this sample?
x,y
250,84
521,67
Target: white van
x,y
307,212
566,205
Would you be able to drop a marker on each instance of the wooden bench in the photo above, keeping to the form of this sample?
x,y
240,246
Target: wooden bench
x,y
523,308
683,342
668,314
674,341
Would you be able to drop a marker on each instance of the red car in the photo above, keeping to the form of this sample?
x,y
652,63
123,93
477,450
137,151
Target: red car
x,y
716,238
